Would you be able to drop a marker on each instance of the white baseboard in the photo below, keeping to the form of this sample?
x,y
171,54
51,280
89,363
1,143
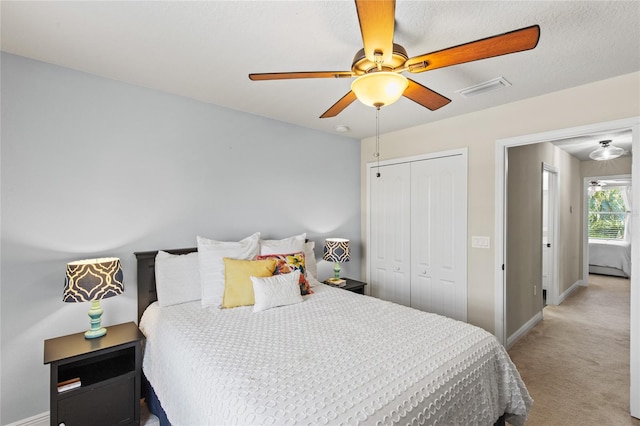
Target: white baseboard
x,y
570,290
41,419
538,317
524,329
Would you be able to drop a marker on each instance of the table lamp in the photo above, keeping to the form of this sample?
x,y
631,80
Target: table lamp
x,y
92,280
336,250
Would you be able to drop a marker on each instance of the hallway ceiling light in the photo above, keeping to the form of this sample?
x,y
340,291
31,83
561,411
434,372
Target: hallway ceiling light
x,y
606,151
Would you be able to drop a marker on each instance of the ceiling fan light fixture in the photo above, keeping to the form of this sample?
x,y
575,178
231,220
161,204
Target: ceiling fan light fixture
x,y
379,88
606,152
595,186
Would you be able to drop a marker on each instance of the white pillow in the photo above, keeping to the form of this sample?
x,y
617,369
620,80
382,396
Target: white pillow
x,y
313,282
310,260
278,290
293,244
177,278
210,254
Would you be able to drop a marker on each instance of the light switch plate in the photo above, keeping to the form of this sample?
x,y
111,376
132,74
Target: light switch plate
x,y
481,242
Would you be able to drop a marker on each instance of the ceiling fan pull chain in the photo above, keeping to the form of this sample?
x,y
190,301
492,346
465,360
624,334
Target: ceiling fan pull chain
x,y
377,153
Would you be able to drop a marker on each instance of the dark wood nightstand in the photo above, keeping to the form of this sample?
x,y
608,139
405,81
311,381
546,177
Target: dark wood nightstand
x,y
109,371
352,285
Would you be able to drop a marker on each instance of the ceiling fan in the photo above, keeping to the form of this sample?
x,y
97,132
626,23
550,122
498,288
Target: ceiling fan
x,y
380,64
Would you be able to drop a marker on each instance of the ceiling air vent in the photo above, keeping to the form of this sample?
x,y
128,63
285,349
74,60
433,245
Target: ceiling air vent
x,y
487,86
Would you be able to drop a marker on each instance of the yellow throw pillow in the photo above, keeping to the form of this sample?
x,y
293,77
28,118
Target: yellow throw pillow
x,y
238,287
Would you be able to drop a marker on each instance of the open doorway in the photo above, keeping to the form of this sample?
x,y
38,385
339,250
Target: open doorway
x,y
633,126
608,222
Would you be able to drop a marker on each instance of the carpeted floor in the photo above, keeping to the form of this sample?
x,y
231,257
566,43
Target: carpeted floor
x,y
575,362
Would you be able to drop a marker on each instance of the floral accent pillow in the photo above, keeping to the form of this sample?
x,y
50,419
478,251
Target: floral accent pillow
x,y
287,263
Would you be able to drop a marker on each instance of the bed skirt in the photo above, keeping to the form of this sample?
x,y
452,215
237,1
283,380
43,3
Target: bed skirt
x,y
153,404
605,270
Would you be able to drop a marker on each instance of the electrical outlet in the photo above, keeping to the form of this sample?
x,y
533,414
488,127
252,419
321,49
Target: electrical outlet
x,y
535,290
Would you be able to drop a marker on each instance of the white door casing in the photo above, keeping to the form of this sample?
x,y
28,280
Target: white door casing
x,y
545,230
550,254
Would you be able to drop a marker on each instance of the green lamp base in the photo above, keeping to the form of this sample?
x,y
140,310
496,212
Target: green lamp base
x,y
95,313
92,334
336,271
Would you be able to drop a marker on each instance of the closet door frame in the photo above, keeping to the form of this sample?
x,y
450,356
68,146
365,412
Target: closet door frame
x,y
429,156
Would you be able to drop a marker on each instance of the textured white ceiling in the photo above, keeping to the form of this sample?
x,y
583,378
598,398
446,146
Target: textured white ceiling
x,y
205,50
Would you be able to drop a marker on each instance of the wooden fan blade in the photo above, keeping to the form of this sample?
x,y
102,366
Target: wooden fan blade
x,y
377,19
306,74
425,96
502,44
337,108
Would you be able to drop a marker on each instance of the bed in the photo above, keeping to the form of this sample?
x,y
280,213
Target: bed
x,y
610,257
336,358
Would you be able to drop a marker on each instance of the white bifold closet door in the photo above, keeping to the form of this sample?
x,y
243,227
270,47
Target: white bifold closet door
x,y
418,222
390,245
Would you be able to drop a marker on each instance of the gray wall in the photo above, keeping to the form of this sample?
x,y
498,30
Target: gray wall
x,y
570,214
524,228
94,167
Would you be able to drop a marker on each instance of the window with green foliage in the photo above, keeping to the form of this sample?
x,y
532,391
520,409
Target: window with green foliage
x,y
607,214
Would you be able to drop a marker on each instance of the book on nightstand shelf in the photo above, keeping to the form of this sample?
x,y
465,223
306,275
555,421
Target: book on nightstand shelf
x,y
338,282
69,384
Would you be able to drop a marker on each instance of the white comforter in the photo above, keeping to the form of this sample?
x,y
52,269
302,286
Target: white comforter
x,y
336,358
611,254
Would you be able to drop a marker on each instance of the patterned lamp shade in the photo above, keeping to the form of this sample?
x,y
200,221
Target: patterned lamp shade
x,y
93,279
90,281
336,250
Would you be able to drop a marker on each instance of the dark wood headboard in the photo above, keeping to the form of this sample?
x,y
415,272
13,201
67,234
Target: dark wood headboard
x,y
147,276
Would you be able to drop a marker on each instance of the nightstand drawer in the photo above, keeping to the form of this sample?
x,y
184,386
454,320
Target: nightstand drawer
x,y
103,404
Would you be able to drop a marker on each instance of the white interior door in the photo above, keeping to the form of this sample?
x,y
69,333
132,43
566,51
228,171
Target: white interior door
x,y
439,235
389,211
417,223
546,244
550,234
